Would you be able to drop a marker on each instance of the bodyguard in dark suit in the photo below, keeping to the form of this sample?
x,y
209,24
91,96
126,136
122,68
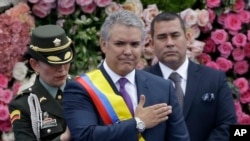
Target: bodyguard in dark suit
x,y
36,113
208,106
98,107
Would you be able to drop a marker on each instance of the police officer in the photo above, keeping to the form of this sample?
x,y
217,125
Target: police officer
x,y
36,112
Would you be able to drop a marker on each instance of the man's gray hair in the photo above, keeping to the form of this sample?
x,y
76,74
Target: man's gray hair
x,y
123,17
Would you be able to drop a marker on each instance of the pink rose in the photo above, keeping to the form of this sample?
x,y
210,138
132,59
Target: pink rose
x,y
241,67
244,16
248,35
213,3
6,96
245,97
149,13
195,49
3,81
225,49
243,119
238,54
203,17
224,64
65,10
232,22
5,125
49,1
239,5
102,3
204,58
189,17
40,12
89,8
16,87
211,15
221,18
207,28
209,46
242,84
113,7
66,4
4,112
247,50
193,31
84,2
219,36
33,1
239,40
212,64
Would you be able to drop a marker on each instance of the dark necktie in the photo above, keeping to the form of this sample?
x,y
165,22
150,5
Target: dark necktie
x,y
125,95
176,78
59,96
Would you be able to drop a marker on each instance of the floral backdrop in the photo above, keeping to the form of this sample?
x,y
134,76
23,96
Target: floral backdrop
x,y
220,32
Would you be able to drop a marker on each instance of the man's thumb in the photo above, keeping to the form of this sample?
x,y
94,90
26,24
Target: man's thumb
x,y
142,100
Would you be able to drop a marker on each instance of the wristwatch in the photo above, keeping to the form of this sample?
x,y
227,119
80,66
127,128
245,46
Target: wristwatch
x,y
140,125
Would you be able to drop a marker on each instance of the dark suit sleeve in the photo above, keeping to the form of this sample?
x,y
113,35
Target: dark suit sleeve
x,y
22,127
84,121
225,113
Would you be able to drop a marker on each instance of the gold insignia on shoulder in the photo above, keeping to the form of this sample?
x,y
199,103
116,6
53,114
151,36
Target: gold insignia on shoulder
x,y
67,55
42,99
53,58
57,42
16,114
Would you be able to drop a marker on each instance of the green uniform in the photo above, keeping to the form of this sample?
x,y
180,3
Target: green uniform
x,y
54,123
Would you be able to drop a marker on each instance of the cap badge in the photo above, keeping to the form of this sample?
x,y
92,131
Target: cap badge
x,y
57,42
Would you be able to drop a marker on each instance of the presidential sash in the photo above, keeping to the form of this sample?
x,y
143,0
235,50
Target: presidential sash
x,y
111,106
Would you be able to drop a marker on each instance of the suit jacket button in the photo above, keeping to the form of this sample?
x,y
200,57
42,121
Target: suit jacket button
x,y
49,130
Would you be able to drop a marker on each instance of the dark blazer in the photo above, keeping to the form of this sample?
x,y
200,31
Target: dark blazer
x,y
86,124
23,128
208,103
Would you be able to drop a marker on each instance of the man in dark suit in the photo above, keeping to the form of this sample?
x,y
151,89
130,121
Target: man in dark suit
x,y
207,102
36,113
98,107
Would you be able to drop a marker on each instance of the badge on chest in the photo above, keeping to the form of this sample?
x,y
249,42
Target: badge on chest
x,y
47,121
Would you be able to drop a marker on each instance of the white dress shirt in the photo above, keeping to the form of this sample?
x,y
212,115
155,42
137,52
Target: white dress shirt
x,y
182,71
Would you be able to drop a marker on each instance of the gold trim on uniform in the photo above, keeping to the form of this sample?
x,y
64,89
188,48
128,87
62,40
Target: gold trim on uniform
x,y
38,49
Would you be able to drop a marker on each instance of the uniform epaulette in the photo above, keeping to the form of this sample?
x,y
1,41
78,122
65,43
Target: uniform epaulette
x,y
22,93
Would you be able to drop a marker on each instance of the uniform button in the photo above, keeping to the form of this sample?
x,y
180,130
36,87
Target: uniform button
x,y
49,130
59,97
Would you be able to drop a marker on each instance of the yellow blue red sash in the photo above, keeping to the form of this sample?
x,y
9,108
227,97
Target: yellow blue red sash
x,y
111,106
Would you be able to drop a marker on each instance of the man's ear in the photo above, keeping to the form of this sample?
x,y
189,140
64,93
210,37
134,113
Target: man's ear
x,y
189,37
103,45
150,42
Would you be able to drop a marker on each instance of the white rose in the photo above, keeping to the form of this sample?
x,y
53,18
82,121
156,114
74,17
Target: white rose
x,y
20,71
189,16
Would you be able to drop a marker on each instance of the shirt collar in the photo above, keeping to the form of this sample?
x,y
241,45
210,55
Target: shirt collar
x,y
182,70
50,89
115,77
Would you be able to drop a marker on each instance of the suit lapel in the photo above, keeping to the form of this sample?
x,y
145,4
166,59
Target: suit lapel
x,y
47,102
192,86
156,70
142,87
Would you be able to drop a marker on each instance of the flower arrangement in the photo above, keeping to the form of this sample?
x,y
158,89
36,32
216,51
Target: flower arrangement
x,y
15,26
227,48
